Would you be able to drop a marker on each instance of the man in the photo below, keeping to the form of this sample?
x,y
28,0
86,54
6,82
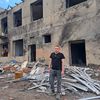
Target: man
x,y
56,67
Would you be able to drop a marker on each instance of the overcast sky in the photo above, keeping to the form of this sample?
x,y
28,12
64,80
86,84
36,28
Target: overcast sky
x,y
4,3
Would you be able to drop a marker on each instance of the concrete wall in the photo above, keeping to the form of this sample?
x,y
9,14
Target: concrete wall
x,y
64,24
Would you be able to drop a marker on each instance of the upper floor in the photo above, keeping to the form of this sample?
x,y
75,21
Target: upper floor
x,y
35,14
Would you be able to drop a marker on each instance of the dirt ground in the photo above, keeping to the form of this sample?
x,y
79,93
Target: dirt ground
x,y
12,91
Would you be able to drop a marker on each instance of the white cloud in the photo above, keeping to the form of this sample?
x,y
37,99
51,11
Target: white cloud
x,y
7,0
4,1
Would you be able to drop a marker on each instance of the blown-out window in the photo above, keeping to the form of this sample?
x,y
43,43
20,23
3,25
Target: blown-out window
x,y
70,3
47,38
37,10
4,25
17,18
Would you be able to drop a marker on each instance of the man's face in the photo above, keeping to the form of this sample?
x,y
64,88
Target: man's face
x,y
57,49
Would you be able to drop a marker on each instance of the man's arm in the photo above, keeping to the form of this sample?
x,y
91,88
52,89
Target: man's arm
x,y
49,64
62,67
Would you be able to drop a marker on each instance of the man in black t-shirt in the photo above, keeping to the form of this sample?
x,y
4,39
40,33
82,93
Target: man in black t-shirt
x,y
56,67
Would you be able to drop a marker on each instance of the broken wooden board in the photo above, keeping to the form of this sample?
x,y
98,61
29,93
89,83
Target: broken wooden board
x,y
24,64
34,69
15,80
91,98
69,80
86,84
77,85
36,86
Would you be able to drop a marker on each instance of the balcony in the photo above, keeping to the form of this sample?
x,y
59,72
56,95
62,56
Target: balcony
x,y
3,35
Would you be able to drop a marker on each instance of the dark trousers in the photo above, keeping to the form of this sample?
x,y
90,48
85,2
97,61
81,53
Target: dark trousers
x,y
55,74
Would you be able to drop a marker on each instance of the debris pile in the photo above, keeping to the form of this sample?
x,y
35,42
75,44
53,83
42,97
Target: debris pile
x,y
75,78
79,79
9,69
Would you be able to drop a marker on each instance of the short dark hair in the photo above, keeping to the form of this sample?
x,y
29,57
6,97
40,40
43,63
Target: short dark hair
x,y
58,46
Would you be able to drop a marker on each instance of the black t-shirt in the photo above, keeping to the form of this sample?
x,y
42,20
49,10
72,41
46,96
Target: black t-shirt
x,y
56,60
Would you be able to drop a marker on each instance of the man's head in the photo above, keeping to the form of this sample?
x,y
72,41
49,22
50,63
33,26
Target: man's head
x,y
57,49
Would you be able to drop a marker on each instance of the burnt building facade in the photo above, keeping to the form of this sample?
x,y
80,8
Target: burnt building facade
x,y
30,30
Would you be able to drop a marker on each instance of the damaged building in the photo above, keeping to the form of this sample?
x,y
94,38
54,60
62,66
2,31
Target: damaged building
x,y
30,30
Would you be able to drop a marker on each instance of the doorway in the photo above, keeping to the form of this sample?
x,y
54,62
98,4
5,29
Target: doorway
x,y
77,53
32,56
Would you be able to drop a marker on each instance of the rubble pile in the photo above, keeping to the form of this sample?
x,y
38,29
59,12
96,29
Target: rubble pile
x,y
79,79
75,78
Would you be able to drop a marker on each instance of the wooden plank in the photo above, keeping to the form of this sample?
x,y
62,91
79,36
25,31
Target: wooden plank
x,y
69,87
34,69
24,64
36,86
86,84
91,98
69,80
88,79
77,85
15,80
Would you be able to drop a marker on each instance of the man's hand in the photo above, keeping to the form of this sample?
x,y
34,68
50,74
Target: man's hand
x,y
62,73
49,69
